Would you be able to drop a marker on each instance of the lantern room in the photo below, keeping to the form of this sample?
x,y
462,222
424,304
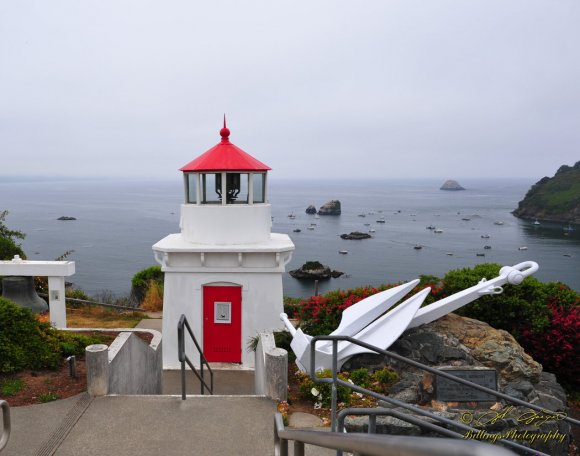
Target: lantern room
x,y
223,271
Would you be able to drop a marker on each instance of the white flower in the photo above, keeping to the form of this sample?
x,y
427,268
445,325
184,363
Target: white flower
x,y
315,392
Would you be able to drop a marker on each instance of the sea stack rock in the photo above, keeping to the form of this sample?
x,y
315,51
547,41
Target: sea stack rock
x,y
314,270
331,207
311,209
451,185
356,236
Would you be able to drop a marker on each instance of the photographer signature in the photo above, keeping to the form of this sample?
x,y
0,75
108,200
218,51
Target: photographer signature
x,y
529,418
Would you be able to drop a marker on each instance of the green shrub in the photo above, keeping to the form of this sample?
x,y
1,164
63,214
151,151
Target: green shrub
x,y
382,379
360,377
26,343
309,265
48,397
321,393
141,280
518,304
9,387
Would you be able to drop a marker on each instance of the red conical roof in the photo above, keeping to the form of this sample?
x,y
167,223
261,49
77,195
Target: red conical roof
x,y
225,156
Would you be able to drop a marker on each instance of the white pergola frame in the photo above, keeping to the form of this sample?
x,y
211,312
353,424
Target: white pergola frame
x,y
56,271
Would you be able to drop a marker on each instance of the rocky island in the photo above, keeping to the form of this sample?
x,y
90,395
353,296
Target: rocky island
x,y
452,185
311,209
314,270
554,199
331,207
66,218
356,236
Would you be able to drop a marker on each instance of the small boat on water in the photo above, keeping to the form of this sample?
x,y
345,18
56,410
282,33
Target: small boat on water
x,y
316,216
438,230
497,222
480,254
310,227
567,255
367,224
485,236
487,247
523,247
297,230
418,247
343,252
430,227
536,222
381,221
362,215
291,215
449,254
372,230
467,219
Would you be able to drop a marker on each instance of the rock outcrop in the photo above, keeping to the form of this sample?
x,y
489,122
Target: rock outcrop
x,y
311,209
64,217
314,270
460,342
331,207
355,235
451,185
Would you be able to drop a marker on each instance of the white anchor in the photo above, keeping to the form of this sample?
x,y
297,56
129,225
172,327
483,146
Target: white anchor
x,y
367,321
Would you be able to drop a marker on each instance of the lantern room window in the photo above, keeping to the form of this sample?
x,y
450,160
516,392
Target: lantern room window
x,y
259,187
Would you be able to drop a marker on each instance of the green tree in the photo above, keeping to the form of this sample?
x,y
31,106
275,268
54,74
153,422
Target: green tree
x,y
8,240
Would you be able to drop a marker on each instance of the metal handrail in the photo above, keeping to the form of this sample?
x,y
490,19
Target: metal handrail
x,y
183,358
378,445
6,426
336,381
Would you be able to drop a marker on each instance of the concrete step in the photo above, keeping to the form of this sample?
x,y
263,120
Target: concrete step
x,y
226,382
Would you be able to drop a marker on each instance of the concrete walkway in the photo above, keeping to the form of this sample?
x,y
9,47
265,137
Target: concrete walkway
x,y
232,422
146,426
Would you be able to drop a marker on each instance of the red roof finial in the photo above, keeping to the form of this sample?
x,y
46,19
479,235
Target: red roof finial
x,y
225,132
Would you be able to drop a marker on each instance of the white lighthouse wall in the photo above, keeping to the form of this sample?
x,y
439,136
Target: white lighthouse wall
x,y
214,224
262,304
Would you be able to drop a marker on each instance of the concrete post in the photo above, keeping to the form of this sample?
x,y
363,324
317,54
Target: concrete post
x,y
56,301
97,364
276,373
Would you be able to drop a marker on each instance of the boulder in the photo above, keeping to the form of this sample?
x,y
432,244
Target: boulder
x,y
331,207
311,209
460,342
355,235
64,217
451,185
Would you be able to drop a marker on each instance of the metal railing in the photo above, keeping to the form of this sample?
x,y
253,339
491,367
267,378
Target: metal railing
x,y
6,426
335,381
96,303
378,445
183,358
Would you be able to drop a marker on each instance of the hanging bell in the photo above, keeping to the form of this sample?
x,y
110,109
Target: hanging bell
x,y
20,290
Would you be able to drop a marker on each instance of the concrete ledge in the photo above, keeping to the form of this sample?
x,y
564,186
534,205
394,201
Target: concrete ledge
x,y
127,366
271,377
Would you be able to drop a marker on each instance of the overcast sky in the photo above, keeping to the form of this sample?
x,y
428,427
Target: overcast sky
x,y
425,88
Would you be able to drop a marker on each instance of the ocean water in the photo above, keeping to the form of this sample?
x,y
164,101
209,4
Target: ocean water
x,y
118,222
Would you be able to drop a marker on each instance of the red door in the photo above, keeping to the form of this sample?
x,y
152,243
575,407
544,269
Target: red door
x,y
222,324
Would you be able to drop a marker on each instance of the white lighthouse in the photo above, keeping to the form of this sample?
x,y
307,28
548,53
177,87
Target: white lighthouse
x,y
224,270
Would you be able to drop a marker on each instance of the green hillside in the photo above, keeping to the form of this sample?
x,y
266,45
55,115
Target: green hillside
x,y
554,198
